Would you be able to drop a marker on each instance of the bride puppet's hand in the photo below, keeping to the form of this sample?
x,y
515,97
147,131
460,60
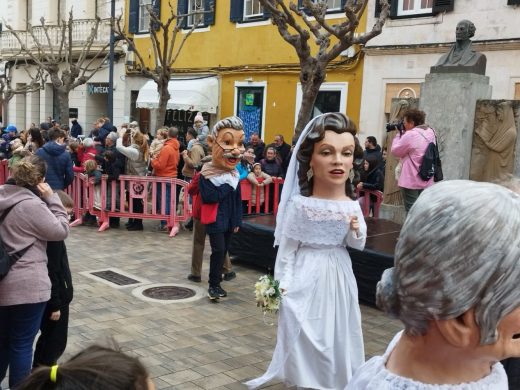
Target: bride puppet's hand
x,y
354,224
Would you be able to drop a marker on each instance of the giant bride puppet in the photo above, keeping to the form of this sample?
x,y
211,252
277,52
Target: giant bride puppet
x,y
319,341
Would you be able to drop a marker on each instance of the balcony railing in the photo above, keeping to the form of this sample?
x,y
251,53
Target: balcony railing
x,y
81,30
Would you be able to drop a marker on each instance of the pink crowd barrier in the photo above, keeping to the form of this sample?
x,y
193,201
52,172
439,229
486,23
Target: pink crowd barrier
x,y
4,171
152,191
255,205
118,198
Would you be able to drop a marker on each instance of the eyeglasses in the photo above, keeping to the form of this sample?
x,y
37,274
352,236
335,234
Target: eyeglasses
x,y
229,150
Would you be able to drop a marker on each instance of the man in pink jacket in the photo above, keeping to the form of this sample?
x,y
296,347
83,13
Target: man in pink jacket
x,y
410,146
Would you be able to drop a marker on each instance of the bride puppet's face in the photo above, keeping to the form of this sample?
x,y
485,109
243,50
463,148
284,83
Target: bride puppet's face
x,y
332,159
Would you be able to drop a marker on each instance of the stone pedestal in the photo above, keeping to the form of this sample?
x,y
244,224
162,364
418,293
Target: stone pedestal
x,y
449,101
393,213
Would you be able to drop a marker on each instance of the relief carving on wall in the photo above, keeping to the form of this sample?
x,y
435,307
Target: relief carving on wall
x,y
494,140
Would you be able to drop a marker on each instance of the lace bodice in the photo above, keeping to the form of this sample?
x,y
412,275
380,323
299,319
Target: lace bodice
x,y
315,221
374,375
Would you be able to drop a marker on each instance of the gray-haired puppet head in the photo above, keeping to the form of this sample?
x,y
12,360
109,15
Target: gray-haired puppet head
x,y
232,122
227,143
458,249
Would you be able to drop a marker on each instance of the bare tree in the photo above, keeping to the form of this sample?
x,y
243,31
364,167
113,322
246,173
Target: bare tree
x,y
297,28
7,91
67,63
163,36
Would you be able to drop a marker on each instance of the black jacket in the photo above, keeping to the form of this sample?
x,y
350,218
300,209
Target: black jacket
x,y
374,180
76,129
229,212
59,274
272,167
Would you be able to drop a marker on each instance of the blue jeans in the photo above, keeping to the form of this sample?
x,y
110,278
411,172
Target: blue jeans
x,y
19,325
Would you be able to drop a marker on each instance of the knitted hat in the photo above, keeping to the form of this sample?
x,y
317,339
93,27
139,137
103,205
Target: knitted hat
x,y
198,118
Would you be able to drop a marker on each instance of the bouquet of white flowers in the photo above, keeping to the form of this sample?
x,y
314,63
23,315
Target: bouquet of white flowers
x,y
268,294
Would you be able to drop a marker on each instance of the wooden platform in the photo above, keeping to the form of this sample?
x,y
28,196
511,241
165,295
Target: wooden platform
x,y
253,245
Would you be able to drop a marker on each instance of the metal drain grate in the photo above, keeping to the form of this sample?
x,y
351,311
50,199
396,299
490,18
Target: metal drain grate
x,y
168,293
115,277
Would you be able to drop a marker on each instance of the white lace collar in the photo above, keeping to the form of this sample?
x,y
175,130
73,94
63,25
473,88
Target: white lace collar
x,y
496,380
225,178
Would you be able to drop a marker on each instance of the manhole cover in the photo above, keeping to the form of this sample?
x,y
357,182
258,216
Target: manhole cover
x,y
169,293
116,278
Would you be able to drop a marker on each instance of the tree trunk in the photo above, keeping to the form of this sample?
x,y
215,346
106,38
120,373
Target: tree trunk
x,y
310,88
4,106
63,101
164,96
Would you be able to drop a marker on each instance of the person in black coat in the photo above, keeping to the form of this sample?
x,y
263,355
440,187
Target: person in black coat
x,y
221,209
371,178
59,163
76,128
55,322
283,150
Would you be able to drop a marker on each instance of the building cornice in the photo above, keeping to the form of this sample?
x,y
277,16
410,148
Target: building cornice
x,y
429,48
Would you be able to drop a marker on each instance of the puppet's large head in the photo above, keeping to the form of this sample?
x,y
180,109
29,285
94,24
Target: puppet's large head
x,y
227,143
457,267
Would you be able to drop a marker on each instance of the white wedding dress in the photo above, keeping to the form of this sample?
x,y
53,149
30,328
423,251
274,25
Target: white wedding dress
x,y
319,340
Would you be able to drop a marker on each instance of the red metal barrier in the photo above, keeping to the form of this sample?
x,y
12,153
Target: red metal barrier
x,y
246,189
365,194
4,171
118,198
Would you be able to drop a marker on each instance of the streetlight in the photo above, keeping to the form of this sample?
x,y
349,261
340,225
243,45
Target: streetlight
x,y
110,105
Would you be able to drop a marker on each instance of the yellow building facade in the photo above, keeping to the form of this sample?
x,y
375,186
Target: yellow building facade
x,y
257,71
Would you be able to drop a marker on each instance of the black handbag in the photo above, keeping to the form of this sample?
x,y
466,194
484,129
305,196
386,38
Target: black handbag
x,y
7,260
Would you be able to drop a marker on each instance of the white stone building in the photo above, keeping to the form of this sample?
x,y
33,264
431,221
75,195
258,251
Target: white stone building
x,y
88,100
413,40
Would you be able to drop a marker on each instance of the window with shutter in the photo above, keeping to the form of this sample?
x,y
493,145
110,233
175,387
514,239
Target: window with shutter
x,y
244,11
378,9
236,11
253,9
414,7
182,9
194,6
133,17
209,17
156,9
333,6
144,16
443,6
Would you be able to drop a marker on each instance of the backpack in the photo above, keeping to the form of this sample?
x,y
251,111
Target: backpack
x,y
7,260
431,163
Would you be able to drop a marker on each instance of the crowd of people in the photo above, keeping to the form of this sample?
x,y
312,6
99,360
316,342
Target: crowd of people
x,y
454,285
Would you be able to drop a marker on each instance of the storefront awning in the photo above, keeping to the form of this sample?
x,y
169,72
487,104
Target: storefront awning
x,y
190,95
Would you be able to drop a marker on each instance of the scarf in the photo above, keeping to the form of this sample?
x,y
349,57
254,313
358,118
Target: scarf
x,y
219,176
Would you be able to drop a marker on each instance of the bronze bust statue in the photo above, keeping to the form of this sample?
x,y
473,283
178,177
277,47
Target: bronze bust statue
x,y
461,58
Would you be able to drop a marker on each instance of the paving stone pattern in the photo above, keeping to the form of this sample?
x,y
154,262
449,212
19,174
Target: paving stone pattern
x,y
195,345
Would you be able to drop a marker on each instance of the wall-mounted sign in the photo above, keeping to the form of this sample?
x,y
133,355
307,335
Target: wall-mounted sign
x,y
97,88
73,113
249,99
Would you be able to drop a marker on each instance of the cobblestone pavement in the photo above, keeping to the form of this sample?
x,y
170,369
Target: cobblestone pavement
x,y
189,345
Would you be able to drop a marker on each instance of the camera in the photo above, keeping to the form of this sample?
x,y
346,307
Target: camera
x,y
399,126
